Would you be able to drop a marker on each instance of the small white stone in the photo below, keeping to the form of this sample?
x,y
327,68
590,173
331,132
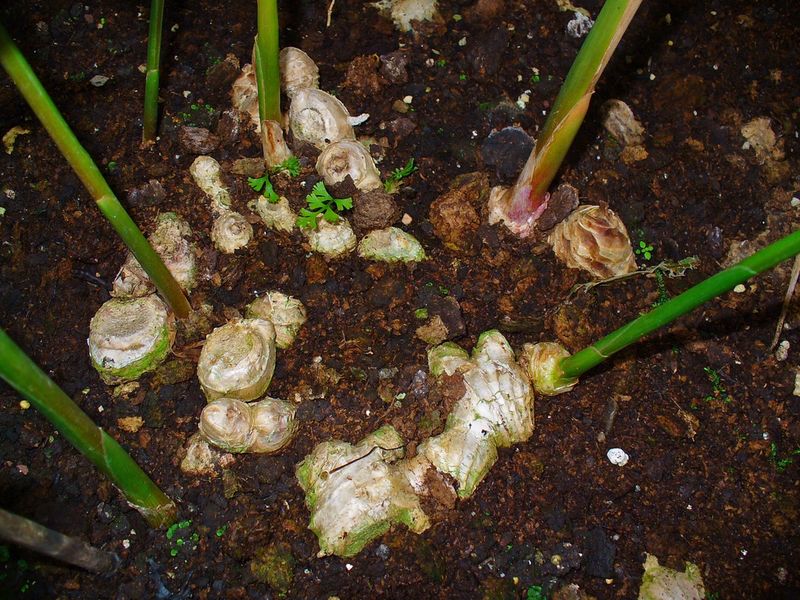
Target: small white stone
x,y
617,456
795,202
126,544
407,219
348,566
24,404
186,93
740,289
796,391
463,41
782,351
408,99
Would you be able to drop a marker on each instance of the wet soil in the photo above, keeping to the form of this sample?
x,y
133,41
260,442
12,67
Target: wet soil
x,y
705,409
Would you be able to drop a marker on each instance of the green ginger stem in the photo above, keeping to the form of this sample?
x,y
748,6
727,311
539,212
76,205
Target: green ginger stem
x,y
763,260
23,375
529,194
152,73
267,65
34,93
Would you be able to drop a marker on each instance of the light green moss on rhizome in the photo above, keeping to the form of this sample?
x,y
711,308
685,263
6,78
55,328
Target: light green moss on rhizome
x,y
140,367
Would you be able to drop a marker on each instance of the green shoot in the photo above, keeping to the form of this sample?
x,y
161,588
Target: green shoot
x,y
321,203
34,93
30,381
152,73
392,183
663,294
719,392
535,593
291,166
781,464
267,66
264,185
644,250
577,364
522,205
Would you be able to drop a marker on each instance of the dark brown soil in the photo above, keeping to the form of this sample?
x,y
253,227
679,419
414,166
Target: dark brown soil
x,y
725,496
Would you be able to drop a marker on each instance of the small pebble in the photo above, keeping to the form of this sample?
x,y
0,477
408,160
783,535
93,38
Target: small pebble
x,y
24,404
98,80
782,351
618,457
408,99
739,289
406,220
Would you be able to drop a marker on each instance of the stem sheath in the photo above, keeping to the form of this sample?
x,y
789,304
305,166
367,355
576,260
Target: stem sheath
x,y
569,109
23,375
153,69
577,364
267,65
34,93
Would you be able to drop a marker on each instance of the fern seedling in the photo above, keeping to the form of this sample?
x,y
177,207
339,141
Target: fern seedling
x,y
392,183
320,203
264,185
291,166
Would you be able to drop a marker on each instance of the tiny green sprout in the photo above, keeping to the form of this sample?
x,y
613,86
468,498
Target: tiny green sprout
x,y
321,203
441,62
421,313
291,166
535,78
484,106
781,464
221,531
173,552
663,294
535,593
644,250
719,391
443,291
112,166
264,185
457,17
392,183
462,77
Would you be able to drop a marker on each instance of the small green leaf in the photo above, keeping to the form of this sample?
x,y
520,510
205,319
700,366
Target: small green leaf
x,y
330,216
257,183
343,203
291,166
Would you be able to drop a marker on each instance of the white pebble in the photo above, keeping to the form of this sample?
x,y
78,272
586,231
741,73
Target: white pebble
x,y
618,457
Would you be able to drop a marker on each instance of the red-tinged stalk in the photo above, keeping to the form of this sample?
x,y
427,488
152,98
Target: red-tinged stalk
x,y
520,206
34,93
